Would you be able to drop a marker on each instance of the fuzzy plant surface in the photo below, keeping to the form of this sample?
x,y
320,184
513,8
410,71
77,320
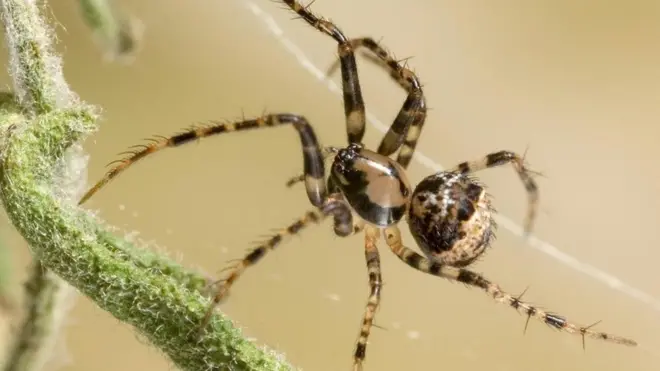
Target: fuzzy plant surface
x,y
41,124
117,33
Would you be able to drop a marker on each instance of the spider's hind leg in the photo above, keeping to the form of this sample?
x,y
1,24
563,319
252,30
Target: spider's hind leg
x,y
472,279
502,158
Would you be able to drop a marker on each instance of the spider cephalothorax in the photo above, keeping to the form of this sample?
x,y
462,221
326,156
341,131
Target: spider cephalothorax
x,y
449,213
375,186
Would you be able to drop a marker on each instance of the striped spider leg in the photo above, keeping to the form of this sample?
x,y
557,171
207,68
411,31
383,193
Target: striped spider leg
x,y
402,136
404,133
407,126
451,219
449,213
325,204
430,266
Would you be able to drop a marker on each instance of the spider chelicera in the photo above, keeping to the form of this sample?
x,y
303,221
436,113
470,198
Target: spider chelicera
x,y
449,213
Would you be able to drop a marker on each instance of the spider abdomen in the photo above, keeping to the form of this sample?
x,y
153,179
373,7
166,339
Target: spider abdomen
x,y
375,186
450,217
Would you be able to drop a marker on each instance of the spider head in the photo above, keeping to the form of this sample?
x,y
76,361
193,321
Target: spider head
x,y
344,166
450,217
375,186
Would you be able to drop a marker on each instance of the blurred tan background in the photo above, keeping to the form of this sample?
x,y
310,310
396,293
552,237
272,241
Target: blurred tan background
x,y
576,82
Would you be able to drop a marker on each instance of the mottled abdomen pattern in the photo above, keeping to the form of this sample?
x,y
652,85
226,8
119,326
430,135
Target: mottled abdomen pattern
x,y
450,217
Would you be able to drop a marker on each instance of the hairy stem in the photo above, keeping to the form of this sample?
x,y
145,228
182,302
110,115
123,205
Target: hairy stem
x,y
44,294
38,146
117,33
35,69
39,87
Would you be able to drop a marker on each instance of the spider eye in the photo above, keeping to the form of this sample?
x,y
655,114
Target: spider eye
x,y
355,147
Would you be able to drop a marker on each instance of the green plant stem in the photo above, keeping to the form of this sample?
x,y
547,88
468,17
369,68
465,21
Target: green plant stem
x,y
115,31
44,293
39,87
35,69
156,296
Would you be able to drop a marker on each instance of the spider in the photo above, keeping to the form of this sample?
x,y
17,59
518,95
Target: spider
x,y
449,213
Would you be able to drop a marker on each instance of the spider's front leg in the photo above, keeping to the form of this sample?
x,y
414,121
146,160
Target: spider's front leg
x,y
314,178
407,126
353,101
312,154
410,119
328,205
406,129
423,264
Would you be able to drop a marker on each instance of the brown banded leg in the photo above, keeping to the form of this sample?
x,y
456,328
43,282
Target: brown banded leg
x,y
371,236
327,152
236,270
502,158
423,264
407,126
343,226
314,167
353,100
